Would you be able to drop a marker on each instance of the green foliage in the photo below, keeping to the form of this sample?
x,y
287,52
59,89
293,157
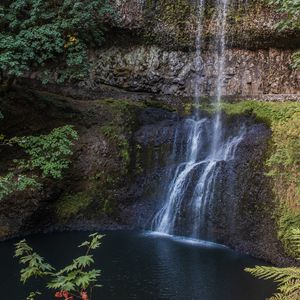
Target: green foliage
x,y
71,205
291,20
287,219
50,36
73,278
33,295
47,154
13,183
290,9
286,137
36,265
114,133
288,279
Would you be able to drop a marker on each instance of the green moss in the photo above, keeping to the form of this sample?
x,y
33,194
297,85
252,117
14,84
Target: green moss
x,y
124,115
283,163
108,207
105,179
204,106
116,135
4,231
159,104
175,15
268,112
103,186
71,205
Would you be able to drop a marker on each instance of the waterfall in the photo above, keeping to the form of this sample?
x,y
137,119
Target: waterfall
x,y
201,147
222,9
198,60
192,179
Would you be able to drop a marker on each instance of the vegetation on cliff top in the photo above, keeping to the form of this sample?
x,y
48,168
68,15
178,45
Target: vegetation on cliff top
x,y
291,19
51,37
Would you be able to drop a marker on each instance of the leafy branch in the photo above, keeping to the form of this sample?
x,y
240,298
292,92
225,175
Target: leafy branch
x,y
75,280
48,155
52,37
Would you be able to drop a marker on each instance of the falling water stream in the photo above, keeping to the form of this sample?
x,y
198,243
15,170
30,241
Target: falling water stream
x,y
203,147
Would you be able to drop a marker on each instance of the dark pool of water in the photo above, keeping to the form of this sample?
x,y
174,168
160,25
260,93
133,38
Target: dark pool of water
x,y
136,265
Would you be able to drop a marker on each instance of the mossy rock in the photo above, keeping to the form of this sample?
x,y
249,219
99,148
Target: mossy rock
x,y
72,205
283,163
4,231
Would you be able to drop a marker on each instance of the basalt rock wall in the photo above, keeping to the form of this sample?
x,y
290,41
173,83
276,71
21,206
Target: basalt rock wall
x,y
152,49
151,69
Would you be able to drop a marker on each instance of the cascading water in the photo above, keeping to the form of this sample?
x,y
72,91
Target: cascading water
x,y
220,64
200,148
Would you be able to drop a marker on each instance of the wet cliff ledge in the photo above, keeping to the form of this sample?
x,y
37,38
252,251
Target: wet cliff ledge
x,y
151,69
152,50
173,24
119,159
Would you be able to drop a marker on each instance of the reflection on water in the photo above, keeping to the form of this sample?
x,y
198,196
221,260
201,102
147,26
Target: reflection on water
x,y
146,266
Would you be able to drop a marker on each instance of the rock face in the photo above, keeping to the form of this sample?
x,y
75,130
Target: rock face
x,y
157,50
238,213
173,24
105,180
119,163
125,143
152,69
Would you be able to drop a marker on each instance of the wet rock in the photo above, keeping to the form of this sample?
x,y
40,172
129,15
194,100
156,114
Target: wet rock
x,y
118,181
151,69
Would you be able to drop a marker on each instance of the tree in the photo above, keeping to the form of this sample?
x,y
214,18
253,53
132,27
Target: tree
x,y
52,37
73,281
291,20
288,279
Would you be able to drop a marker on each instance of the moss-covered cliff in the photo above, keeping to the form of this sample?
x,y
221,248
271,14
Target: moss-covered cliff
x,y
120,158
173,24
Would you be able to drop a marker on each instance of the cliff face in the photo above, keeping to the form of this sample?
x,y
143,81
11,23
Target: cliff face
x,y
152,50
103,186
119,165
125,142
173,24
151,69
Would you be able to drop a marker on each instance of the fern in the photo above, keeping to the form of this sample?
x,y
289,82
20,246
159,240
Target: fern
x,y
295,241
288,279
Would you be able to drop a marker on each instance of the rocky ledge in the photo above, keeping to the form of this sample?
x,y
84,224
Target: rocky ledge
x,y
117,164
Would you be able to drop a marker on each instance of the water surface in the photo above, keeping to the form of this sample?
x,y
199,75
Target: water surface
x,y
139,265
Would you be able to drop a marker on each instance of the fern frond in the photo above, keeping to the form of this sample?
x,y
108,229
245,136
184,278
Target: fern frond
x,y
280,275
295,241
279,296
290,287
288,279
